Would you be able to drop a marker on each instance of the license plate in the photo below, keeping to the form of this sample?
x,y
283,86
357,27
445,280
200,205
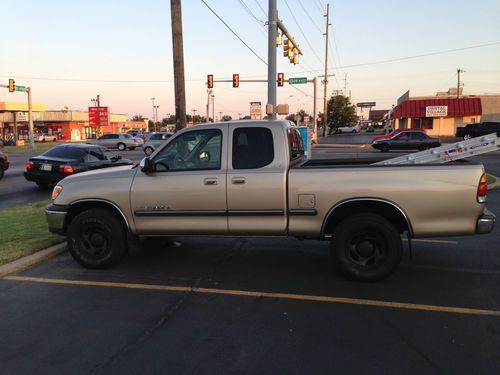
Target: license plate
x,y
45,167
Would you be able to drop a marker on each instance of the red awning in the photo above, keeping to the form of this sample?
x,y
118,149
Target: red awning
x,y
456,107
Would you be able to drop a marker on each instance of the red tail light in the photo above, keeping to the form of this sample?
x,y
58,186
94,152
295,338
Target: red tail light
x,y
66,169
29,165
482,189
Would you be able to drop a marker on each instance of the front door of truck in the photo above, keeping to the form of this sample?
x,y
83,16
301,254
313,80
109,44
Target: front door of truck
x,y
256,182
185,190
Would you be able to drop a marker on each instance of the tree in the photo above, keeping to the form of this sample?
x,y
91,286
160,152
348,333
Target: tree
x,y
246,118
137,118
341,112
226,118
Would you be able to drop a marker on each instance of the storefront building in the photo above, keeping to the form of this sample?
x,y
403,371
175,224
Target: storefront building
x,y
66,125
442,114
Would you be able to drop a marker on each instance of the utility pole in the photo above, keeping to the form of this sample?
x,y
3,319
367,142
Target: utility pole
x,y
178,54
213,108
220,116
209,92
30,114
458,82
153,118
194,114
345,85
325,99
271,58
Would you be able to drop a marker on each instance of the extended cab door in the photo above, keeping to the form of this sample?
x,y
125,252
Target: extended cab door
x,y
185,191
256,181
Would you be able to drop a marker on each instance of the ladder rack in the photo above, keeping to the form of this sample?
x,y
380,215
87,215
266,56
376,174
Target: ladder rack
x,y
449,152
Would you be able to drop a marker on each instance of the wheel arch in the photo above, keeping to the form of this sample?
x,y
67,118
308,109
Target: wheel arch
x,y
81,205
385,208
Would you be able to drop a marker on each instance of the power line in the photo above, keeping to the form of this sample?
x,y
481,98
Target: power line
x,y
241,40
308,15
302,31
249,11
262,9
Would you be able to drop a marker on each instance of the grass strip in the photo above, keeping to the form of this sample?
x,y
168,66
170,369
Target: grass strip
x,y
491,179
23,231
39,147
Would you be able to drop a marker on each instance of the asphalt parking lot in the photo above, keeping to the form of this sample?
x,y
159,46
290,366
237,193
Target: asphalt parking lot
x,y
256,306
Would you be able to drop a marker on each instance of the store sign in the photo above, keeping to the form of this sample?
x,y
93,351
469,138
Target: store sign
x,y
98,116
436,111
22,116
256,110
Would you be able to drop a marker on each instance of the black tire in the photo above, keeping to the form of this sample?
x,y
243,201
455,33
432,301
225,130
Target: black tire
x,y
367,247
148,151
121,146
422,147
467,136
2,172
97,238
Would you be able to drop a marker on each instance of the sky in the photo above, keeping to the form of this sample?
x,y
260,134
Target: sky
x,y
69,51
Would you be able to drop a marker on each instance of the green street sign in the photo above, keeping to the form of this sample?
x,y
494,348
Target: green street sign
x,y
21,88
295,81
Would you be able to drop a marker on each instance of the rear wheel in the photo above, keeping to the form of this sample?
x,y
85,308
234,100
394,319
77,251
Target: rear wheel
x,y
97,238
467,136
423,147
121,146
148,151
367,247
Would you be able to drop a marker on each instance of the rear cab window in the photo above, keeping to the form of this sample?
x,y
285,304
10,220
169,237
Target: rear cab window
x,y
253,147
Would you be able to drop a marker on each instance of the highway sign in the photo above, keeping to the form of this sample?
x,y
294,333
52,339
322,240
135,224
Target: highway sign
x,y
21,88
295,81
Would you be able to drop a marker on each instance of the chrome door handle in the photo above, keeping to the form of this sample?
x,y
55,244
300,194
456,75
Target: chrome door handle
x,y
238,180
210,181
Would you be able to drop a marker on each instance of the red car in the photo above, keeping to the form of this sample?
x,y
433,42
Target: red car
x,y
4,163
394,132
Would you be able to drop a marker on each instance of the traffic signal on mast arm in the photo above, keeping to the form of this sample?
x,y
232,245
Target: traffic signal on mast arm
x,y
210,81
236,80
12,85
281,79
295,58
287,48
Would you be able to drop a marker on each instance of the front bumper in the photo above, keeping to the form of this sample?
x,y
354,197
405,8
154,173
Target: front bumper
x,y
56,218
485,222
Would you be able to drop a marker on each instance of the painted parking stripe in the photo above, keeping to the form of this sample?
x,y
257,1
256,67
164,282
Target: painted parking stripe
x,y
243,293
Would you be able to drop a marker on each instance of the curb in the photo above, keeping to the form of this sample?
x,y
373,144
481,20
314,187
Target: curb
x,y
30,260
339,145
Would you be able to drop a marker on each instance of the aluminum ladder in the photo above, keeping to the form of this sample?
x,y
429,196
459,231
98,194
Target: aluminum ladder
x,y
449,152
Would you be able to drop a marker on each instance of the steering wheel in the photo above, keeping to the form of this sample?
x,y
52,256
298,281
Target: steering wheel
x,y
179,162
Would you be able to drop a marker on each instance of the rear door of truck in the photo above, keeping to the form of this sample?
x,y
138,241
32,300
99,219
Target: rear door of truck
x,y
256,181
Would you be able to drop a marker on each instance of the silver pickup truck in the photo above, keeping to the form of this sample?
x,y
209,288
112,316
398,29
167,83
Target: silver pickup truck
x,y
249,178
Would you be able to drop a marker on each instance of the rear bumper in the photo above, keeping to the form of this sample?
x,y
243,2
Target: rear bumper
x,y
44,178
56,218
485,222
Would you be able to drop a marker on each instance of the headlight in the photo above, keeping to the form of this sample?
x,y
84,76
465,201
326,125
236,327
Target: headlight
x,y
55,193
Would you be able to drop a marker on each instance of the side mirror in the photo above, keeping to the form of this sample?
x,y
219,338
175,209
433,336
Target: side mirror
x,y
116,158
145,165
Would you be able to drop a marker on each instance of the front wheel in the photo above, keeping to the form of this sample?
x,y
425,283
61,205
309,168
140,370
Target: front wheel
x,y
367,247
148,151
121,147
423,147
467,136
97,238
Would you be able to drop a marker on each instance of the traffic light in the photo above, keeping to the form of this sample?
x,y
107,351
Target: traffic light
x,y
12,85
236,80
287,48
278,38
295,58
281,79
210,81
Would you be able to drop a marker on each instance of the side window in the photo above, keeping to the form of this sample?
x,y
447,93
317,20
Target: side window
x,y
252,148
194,150
94,154
105,136
108,155
113,136
155,137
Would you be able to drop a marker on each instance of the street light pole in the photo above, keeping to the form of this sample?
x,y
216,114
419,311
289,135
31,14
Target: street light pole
x,y
220,116
213,108
271,57
194,114
30,114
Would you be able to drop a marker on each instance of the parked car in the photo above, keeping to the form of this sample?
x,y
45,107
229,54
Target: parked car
x,y
154,140
250,179
478,129
4,164
44,137
348,129
140,140
395,132
408,140
64,160
121,141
